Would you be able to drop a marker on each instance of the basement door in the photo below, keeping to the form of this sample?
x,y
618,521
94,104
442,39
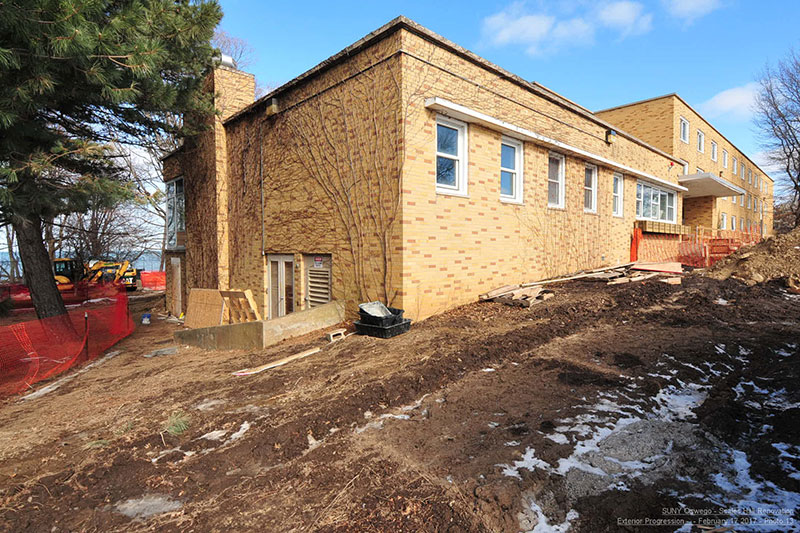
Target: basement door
x,y
281,285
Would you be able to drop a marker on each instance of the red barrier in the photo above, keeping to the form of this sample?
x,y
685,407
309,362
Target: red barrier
x,y
154,280
38,349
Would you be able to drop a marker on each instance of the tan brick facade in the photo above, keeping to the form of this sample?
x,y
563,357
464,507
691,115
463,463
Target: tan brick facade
x,y
341,163
658,121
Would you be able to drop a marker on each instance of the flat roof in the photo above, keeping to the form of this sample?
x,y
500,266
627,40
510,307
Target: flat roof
x,y
408,24
676,95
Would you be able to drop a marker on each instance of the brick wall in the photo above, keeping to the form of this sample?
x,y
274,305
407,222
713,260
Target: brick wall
x,y
455,248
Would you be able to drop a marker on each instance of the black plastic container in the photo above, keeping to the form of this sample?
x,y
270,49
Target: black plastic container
x,y
383,332
395,318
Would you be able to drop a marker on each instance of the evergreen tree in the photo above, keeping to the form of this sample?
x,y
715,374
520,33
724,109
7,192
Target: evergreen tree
x,y
75,76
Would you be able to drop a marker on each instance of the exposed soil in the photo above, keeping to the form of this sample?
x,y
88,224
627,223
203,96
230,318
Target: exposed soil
x,y
591,411
776,258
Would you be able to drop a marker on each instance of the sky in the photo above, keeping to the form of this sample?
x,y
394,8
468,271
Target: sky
x,y
599,53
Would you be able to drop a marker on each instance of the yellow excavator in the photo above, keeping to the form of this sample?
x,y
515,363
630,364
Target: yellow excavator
x,y
69,271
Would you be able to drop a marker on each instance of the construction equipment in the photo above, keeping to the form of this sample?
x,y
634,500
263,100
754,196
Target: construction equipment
x,y
69,271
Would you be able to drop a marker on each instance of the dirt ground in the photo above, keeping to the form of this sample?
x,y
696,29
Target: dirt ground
x,y
605,408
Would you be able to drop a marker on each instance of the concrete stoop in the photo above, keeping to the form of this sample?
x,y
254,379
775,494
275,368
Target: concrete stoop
x,y
260,334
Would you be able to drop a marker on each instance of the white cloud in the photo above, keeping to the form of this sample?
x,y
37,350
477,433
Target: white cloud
x,y
543,33
627,17
690,10
735,103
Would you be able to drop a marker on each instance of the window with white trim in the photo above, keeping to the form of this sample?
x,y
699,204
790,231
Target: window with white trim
x,y
735,166
176,211
617,195
733,199
713,150
742,168
590,188
750,176
555,180
733,222
723,221
749,201
741,223
684,130
654,203
451,156
724,158
701,141
511,164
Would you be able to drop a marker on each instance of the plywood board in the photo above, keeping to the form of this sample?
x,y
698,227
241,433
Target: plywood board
x,y
205,308
672,267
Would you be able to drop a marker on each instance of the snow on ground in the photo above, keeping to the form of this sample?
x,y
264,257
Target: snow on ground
x,y
594,431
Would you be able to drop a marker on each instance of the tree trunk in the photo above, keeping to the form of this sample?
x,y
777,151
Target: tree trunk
x,y
38,269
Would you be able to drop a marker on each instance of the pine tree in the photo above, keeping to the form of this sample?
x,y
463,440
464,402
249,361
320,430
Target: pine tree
x,y
75,76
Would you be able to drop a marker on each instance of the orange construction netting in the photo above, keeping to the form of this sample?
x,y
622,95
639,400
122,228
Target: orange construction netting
x,y
35,350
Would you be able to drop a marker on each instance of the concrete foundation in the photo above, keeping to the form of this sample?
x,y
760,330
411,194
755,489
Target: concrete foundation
x,y
259,335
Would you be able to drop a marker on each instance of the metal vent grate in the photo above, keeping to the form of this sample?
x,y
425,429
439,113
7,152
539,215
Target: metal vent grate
x,y
319,286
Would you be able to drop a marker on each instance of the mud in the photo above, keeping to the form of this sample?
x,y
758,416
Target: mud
x,y
604,403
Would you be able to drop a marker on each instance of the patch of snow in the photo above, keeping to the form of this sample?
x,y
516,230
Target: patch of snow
x,y
558,438
543,524
214,435
488,370
529,461
721,301
512,443
239,433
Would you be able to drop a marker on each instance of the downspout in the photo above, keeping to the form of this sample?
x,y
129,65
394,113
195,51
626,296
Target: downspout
x,y
261,178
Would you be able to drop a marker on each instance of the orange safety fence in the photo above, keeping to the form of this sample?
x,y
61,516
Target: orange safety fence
x,y
702,248
154,280
35,350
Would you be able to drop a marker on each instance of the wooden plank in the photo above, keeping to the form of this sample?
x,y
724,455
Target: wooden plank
x,y
494,293
529,292
242,306
280,362
673,267
204,309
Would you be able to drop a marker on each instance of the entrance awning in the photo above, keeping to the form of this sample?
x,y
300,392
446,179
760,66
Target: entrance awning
x,y
707,184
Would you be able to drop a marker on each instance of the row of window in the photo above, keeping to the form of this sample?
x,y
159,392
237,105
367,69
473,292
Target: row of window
x,y
749,225
176,218
451,176
753,202
737,168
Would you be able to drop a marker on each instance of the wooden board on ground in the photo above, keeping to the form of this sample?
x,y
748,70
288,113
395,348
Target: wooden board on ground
x,y
204,309
494,293
240,305
279,362
673,267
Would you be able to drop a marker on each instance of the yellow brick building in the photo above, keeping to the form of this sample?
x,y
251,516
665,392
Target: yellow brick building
x,y
406,169
671,124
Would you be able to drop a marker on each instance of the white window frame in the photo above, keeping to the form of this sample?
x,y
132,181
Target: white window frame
x,y
743,172
723,221
750,176
684,138
561,180
735,166
593,188
176,204
462,162
519,159
701,142
618,194
733,222
724,158
653,189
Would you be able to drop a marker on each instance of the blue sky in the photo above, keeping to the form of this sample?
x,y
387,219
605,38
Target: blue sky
x,y
598,53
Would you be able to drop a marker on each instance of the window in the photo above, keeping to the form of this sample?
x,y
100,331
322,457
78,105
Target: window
x,y
733,222
741,170
701,141
733,199
653,203
176,213
723,221
555,180
684,130
617,191
741,199
735,166
511,152
741,223
724,159
713,151
451,156
749,201
590,189
750,176
685,167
